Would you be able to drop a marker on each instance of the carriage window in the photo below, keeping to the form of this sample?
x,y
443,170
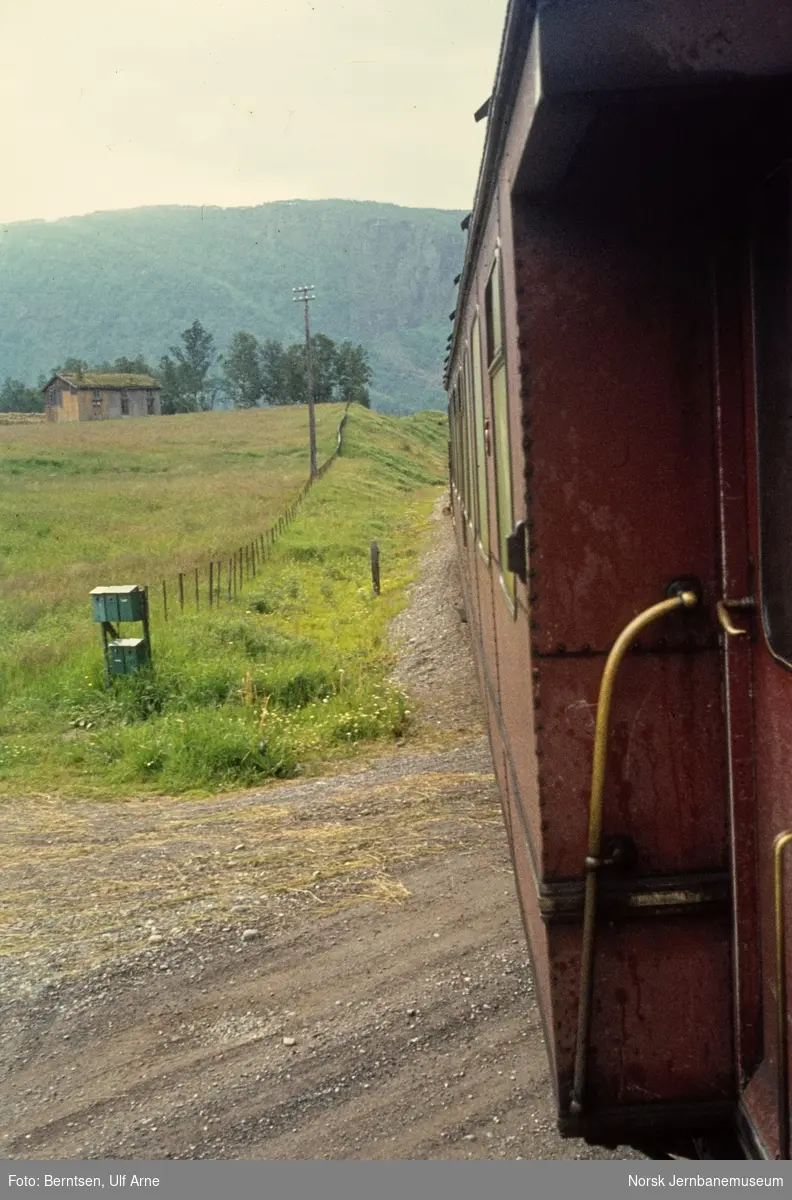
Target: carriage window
x,y
472,480
482,511
452,419
463,442
500,414
460,461
492,313
772,266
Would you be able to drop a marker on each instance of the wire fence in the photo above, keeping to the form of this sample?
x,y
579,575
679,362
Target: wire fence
x,y
222,579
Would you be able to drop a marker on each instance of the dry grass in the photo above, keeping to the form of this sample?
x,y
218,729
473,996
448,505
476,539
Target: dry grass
x,y
21,418
83,881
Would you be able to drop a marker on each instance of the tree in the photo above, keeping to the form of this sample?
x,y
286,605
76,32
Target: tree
x,y
242,374
353,374
272,367
339,372
128,366
72,366
186,384
324,359
295,389
16,396
172,395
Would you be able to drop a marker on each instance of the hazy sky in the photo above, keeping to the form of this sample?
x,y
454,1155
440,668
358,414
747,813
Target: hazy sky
x,y
234,102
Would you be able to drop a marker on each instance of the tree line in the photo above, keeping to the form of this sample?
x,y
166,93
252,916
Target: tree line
x,y
195,377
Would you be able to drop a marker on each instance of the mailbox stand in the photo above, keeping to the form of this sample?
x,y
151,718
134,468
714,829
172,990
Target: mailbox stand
x,y
115,605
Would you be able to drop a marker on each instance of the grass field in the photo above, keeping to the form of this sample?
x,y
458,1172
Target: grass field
x,y
291,672
131,501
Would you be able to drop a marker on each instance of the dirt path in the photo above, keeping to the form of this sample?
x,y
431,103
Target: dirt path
x,y
321,969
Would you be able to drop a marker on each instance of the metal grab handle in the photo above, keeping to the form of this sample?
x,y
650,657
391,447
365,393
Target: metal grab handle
x,y
782,1031
683,599
724,615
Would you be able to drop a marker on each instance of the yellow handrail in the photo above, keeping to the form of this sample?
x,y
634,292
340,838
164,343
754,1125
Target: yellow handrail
x,y
685,599
782,1033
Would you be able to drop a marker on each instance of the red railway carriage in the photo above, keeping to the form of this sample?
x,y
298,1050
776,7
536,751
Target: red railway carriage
x,y
620,395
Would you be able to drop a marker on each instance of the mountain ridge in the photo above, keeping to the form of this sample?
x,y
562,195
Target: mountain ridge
x,y
128,281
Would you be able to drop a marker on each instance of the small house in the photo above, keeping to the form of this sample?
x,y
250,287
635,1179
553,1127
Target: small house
x,y
101,396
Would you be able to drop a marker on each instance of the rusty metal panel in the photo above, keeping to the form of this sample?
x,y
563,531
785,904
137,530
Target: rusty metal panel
x,y
770,686
617,396
666,783
608,328
516,713
661,1027
536,933
773,713
732,375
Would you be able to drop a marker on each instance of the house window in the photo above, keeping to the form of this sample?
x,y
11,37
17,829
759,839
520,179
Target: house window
x,y
496,361
124,404
97,404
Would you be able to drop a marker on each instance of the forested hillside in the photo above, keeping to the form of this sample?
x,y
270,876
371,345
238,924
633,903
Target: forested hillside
x,y
128,283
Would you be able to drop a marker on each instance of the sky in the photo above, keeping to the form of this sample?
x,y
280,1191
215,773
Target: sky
x,y
109,105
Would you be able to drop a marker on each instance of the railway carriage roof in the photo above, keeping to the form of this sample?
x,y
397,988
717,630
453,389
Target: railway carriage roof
x,y
587,50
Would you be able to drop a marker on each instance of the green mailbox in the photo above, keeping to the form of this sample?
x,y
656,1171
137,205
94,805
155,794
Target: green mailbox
x,y
127,602
111,606
127,655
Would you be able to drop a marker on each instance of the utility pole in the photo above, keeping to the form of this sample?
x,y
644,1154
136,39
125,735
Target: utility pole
x,y
304,295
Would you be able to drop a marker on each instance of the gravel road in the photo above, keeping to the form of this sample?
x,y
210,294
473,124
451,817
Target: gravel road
x,y
383,1010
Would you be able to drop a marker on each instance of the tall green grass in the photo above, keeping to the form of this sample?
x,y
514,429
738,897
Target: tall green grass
x,y
133,501
292,672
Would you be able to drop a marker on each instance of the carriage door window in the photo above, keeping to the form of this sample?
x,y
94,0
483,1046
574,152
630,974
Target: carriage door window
x,y
772,280
482,511
496,361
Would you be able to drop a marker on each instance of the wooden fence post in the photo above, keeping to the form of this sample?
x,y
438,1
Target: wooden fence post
x,y
197,595
181,590
211,583
375,568
165,599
